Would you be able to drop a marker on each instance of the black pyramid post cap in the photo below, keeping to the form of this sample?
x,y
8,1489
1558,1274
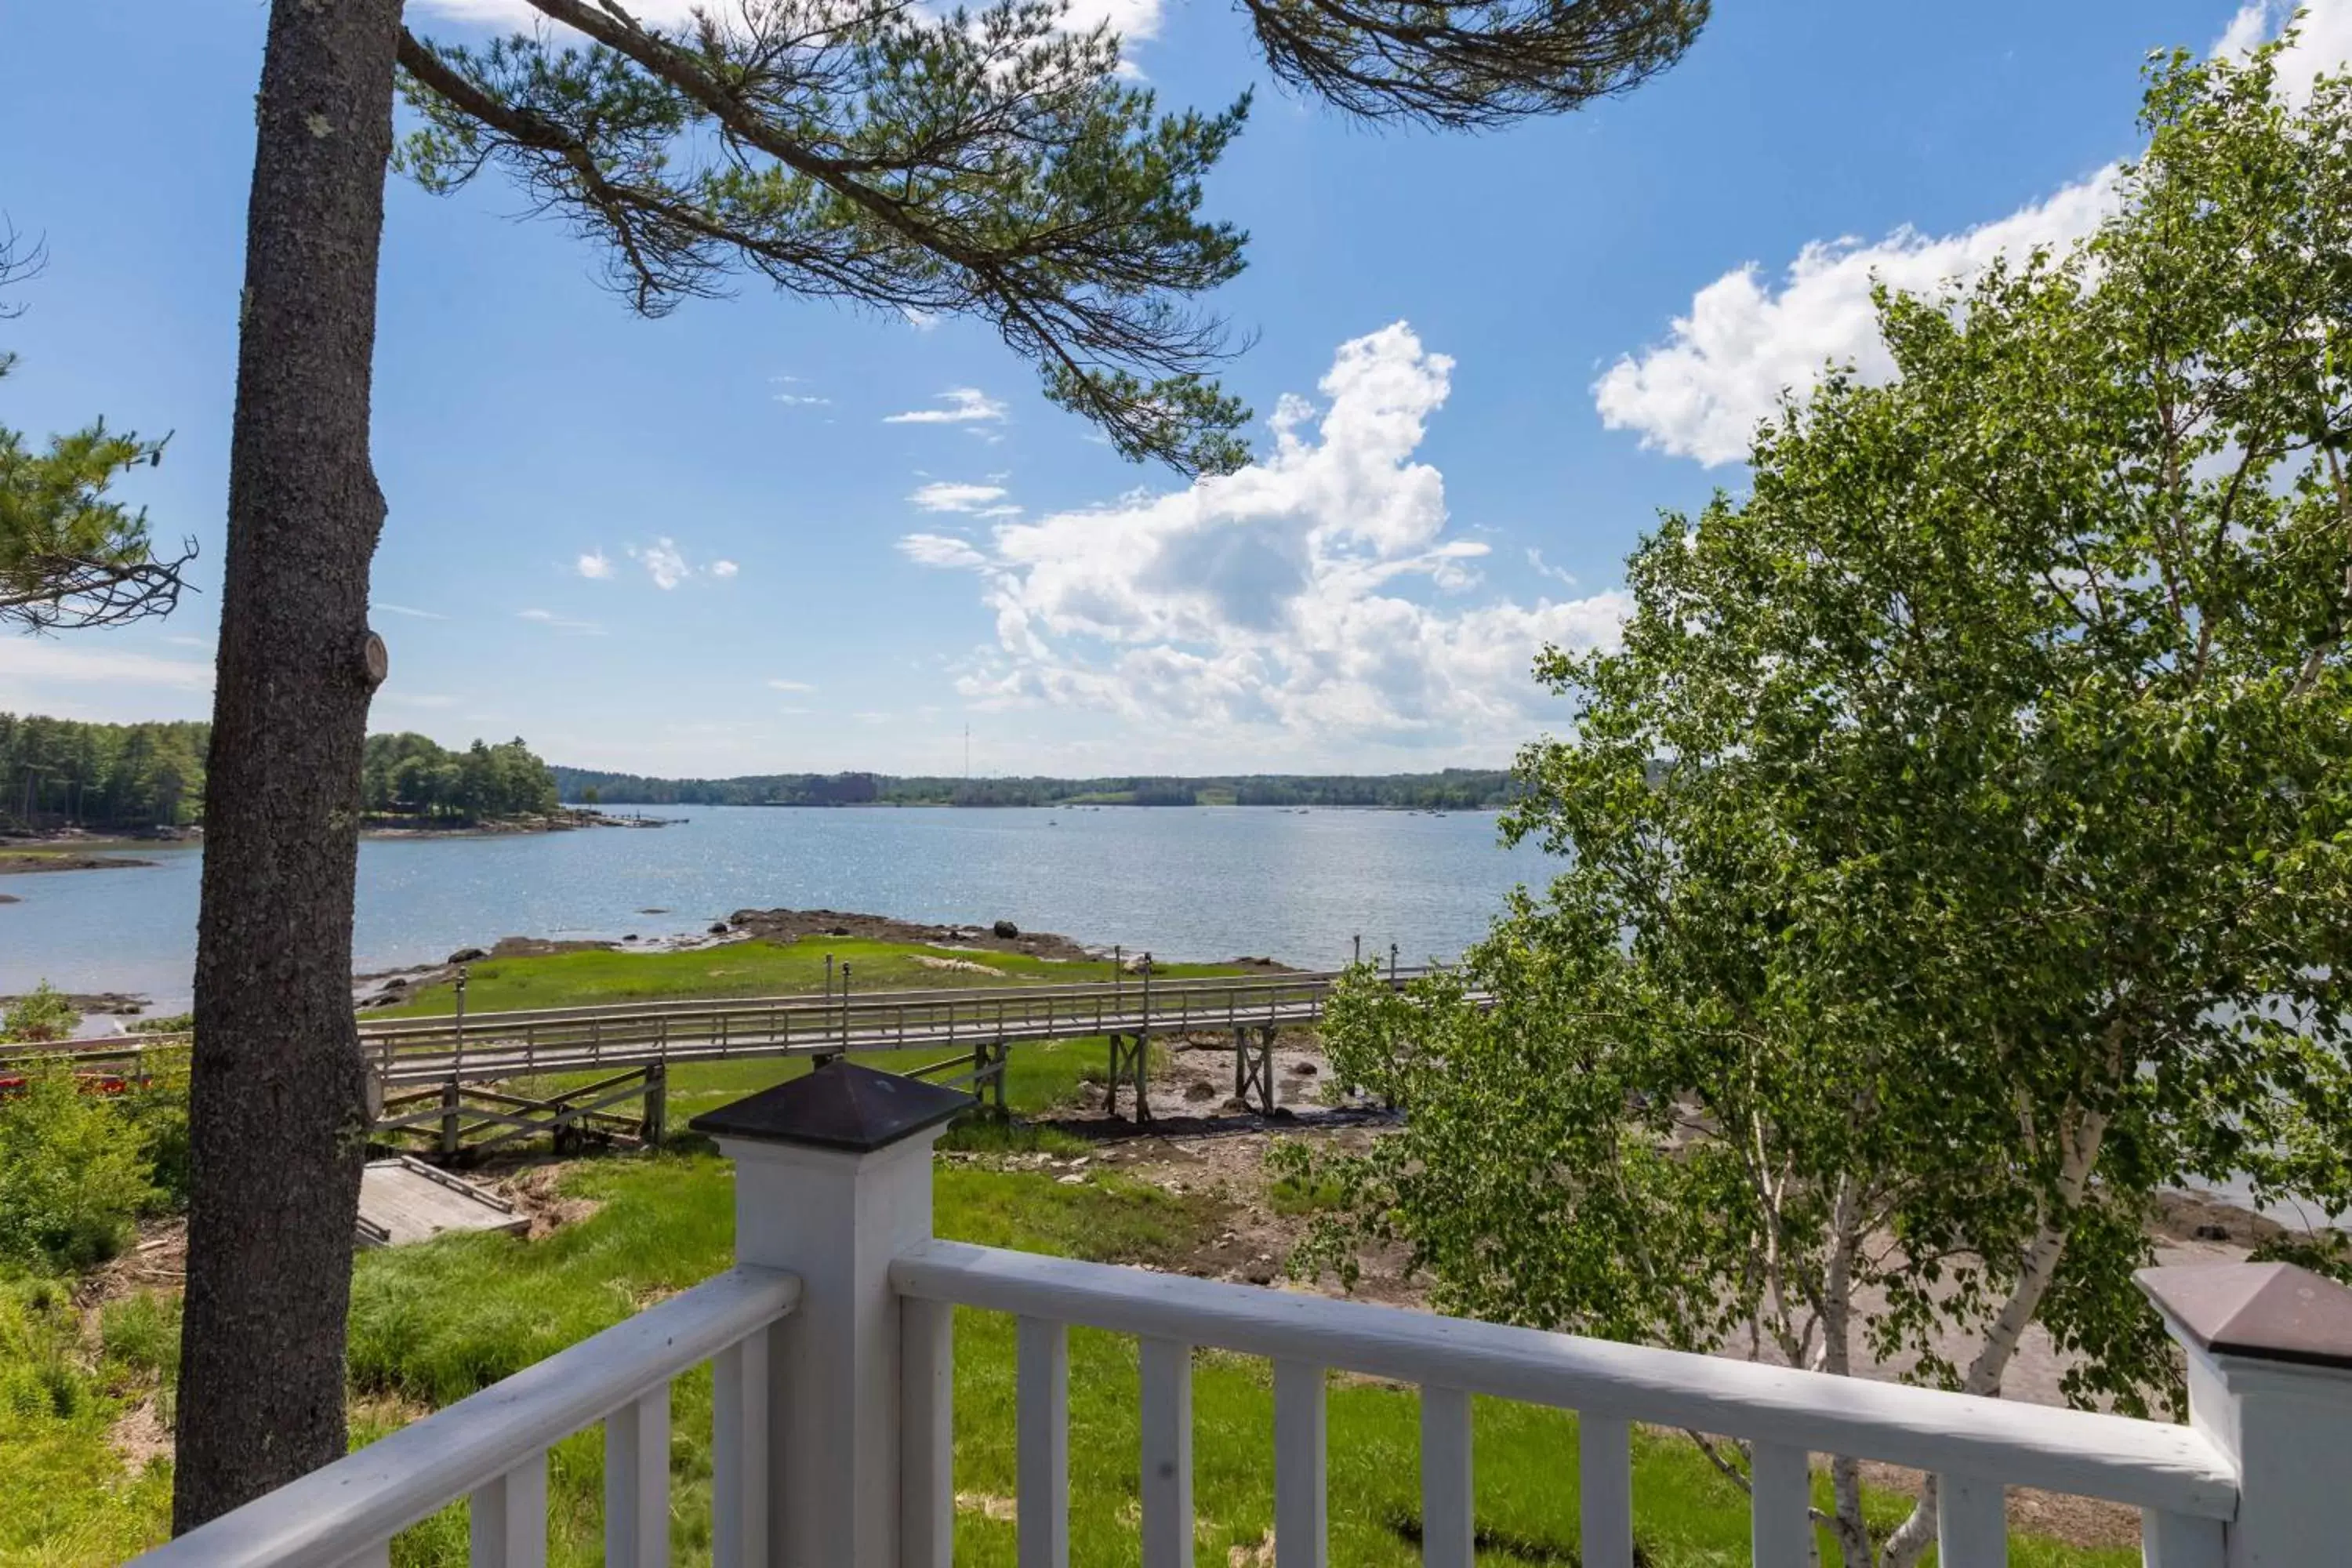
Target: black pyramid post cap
x,y
2268,1311
836,1105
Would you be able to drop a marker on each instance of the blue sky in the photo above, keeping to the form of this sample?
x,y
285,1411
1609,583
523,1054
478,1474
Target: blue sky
x,y
767,535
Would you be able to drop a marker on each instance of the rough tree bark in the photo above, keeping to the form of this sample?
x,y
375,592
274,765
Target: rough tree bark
x,y
278,1109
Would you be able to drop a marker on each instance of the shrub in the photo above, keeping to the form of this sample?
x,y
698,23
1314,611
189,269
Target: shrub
x,y
73,1175
38,1018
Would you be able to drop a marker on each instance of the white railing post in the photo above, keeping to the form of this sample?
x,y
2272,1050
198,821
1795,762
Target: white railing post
x,y
2269,1349
832,1181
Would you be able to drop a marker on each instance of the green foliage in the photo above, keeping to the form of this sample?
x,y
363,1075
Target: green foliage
x,y
138,775
108,775
68,1497
1995,876
408,774
986,163
40,1017
141,1335
70,554
993,163
73,1177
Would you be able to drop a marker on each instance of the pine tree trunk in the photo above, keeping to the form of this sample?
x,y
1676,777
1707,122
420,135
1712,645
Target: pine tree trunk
x,y
279,1112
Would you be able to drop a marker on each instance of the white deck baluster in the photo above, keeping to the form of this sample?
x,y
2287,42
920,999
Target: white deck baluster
x,y
1448,1517
1971,1523
636,1483
1042,1444
1605,1467
2181,1540
1780,1522
739,1455
1301,1481
508,1521
927,1434
1167,1478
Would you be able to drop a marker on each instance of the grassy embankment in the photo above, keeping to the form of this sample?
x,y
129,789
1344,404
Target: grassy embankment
x,y
432,1323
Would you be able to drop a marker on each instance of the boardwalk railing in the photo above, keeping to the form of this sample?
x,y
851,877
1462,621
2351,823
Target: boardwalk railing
x,y
854,1464
588,1039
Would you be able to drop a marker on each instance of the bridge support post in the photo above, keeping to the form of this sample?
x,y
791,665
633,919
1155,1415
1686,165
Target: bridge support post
x,y
1110,1079
1241,1065
1142,1056
449,1108
655,1130
1265,1067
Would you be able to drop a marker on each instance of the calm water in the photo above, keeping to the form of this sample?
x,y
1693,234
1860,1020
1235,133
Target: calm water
x,y
1208,883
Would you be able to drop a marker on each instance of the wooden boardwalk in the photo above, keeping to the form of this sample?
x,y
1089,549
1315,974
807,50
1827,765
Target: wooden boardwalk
x,y
433,1073
449,1086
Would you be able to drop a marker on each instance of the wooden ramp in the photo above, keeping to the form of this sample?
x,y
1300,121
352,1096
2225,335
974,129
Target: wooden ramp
x,y
404,1200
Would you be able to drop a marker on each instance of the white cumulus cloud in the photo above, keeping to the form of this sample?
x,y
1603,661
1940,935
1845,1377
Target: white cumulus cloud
x,y
594,563
940,550
1720,372
723,570
662,562
1722,367
965,406
1288,599
940,496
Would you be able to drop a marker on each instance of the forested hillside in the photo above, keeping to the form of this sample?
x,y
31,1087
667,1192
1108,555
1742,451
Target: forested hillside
x,y
56,772
409,776
1455,789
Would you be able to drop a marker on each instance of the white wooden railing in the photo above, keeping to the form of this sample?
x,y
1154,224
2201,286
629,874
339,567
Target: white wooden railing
x,y
491,1450
833,1441
1977,1447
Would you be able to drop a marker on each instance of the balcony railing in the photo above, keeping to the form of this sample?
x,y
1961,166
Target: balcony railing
x,y
832,1439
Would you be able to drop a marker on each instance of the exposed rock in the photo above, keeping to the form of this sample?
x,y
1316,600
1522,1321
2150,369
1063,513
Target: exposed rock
x,y
467,956
793,925
719,928
1303,1068
1004,929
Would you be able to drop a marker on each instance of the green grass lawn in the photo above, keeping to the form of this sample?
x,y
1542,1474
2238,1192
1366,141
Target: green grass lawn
x,y
591,977
433,1324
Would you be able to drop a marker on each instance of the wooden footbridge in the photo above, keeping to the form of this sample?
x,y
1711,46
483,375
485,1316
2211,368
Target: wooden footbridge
x,y
453,1081
460,1086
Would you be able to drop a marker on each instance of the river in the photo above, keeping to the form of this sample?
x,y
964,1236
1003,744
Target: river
x,y
1208,882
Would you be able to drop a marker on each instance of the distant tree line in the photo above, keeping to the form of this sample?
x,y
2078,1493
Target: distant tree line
x,y
1454,789
410,775
56,772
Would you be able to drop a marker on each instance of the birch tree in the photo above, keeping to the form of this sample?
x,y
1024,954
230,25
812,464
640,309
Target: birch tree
x,y
991,164
1957,846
